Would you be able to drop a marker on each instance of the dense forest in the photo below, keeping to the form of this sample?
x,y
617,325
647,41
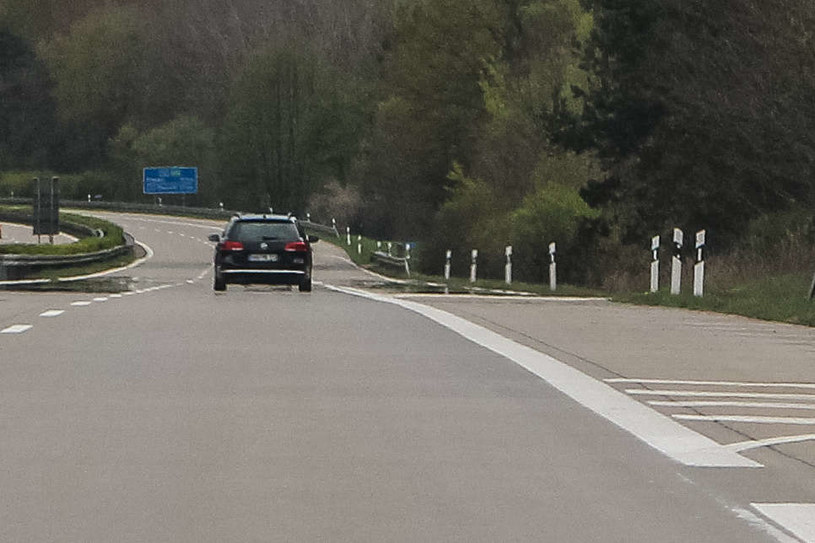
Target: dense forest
x,y
459,123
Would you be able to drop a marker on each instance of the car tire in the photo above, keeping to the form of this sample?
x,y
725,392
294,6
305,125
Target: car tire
x,y
305,285
219,285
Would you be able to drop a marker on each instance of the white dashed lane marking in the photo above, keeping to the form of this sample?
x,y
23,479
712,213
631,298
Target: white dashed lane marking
x,y
52,313
16,329
81,304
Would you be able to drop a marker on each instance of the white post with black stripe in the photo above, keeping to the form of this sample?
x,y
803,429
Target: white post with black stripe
x,y
676,262
655,264
699,267
552,267
348,235
473,265
447,264
508,265
359,244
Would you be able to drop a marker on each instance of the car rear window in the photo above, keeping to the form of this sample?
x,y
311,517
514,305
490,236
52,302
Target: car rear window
x,y
263,230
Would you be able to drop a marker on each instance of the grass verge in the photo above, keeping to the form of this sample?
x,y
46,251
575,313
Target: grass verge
x,y
780,298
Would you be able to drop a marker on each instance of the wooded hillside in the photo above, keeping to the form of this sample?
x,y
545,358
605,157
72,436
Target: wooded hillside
x,y
460,123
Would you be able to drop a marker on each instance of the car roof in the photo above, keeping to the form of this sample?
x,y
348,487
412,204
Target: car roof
x,y
269,217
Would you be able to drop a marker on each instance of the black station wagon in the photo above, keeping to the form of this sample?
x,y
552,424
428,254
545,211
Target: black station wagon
x,y
263,249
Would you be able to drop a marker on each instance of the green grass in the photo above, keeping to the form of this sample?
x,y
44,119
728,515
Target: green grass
x,y
780,298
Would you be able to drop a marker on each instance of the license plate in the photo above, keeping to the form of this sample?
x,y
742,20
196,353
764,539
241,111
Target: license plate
x,y
263,258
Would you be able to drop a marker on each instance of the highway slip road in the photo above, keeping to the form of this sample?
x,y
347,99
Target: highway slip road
x,y
167,412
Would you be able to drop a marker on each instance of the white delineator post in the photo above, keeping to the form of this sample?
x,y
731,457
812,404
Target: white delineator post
x,y
334,226
508,266
654,263
348,234
473,265
699,267
308,217
390,248
447,258
359,244
676,263
552,267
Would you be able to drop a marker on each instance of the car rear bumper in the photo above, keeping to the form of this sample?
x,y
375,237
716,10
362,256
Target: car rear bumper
x,y
249,276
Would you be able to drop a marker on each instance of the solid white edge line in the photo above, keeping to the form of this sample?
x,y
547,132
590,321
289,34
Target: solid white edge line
x,y
710,383
660,432
149,254
796,518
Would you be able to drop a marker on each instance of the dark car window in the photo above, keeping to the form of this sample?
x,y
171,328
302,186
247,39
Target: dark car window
x,y
249,231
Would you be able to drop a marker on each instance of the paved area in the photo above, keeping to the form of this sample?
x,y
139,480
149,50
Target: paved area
x,y
264,414
18,233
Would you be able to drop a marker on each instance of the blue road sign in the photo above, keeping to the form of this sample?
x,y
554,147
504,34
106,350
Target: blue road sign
x,y
171,180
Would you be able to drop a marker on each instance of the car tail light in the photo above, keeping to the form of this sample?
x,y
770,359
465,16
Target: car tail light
x,y
232,246
296,247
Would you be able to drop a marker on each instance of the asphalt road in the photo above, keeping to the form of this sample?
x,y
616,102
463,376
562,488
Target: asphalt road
x,y
171,413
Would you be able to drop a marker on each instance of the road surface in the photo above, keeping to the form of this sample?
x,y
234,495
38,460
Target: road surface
x,y
168,412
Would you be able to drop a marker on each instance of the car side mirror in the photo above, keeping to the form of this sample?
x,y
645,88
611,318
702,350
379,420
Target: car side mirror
x,y
215,237
313,239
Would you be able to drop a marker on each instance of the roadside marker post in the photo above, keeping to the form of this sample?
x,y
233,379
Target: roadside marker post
x,y
655,264
473,265
359,244
334,226
447,258
390,248
699,267
552,267
508,266
348,234
676,263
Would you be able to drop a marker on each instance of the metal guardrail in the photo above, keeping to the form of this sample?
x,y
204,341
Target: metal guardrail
x,y
16,266
320,228
393,261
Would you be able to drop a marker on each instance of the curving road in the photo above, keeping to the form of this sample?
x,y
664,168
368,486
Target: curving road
x,y
168,412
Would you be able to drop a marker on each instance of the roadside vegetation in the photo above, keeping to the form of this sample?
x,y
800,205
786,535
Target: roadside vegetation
x,y
113,235
455,124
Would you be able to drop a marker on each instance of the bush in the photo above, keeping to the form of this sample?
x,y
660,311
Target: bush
x,y
551,214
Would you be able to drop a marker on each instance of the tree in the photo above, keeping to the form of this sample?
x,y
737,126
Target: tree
x,y
106,75
431,108
702,112
293,124
27,113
